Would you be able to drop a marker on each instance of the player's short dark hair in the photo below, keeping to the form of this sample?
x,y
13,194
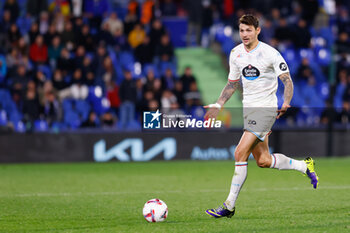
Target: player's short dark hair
x,y
249,20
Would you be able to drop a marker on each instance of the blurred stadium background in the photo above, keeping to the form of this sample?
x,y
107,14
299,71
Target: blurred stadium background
x,y
86,70
77,75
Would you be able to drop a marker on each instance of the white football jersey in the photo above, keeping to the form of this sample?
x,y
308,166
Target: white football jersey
x,y
259,70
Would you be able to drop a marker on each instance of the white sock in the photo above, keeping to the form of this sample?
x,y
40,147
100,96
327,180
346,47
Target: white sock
x,y
282,162
238,179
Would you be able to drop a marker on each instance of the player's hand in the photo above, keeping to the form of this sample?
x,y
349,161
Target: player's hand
x,y
283,110
213,110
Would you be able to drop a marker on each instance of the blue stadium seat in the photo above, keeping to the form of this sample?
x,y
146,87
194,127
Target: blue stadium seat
x,y
72,119
67,104
15,116
166,65
323,56
40,126
83,108
20,127
126,58
324,90
3,117
46,70
150,66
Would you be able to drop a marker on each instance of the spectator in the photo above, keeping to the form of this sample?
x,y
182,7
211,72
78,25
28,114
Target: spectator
x,y
105,35
304,70
113,96
78,89
13,35
283,32
147,12
64,62
114,23
13,8
108,121
150,77
34,7
143,104
44,23
79,56
109,71
54,51
100,56
128,99
52,108
344,115
193,96
194,11
24,23
58,81
342,43
178,92
39,78
6,21
91,122
136,36
68,36
119,41
165,51
23,48
309,10
38,51
129,22
134,9
301,29
86,39
168,80
144,52
168,8
31,108
33,32
207,21
187,78
156,33
87,67
50,34
19,81
167,100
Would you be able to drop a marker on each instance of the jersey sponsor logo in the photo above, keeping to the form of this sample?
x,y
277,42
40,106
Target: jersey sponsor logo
x,y
283,66
250,72
251,122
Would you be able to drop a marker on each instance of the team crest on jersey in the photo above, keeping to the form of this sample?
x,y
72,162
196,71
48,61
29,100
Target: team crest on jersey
x,y
250,72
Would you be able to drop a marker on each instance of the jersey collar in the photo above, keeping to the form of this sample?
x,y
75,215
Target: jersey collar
x,y
253,49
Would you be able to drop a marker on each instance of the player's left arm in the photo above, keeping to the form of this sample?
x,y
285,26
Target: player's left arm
x,y
288,93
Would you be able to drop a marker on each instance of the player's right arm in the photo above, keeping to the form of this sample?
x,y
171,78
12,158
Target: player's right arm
x,y
227,92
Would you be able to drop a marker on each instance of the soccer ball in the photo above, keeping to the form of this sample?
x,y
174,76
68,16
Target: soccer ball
x,y
155,210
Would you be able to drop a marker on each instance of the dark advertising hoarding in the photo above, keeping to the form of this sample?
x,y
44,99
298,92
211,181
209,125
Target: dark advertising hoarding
x,y
125,147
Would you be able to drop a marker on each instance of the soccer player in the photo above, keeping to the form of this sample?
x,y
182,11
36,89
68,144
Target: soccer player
x,y
257,65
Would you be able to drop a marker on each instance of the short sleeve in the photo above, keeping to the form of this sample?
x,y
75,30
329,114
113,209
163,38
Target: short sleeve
x,y
280,66
234,74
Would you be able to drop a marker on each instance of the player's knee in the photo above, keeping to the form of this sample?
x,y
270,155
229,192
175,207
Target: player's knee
x,y
238,155
263,163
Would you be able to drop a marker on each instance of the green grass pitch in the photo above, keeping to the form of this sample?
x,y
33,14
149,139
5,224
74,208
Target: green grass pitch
x,y
108,197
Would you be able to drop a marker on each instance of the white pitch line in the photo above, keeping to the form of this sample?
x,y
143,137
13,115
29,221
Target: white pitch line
x,y
166,191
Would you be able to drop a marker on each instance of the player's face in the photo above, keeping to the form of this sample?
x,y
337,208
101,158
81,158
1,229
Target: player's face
x,y
248,34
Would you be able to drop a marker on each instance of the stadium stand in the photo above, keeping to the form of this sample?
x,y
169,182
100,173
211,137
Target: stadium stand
x,y
101,63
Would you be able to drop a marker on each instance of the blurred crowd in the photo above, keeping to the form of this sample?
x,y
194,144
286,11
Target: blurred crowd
x,y
71,64
68,64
